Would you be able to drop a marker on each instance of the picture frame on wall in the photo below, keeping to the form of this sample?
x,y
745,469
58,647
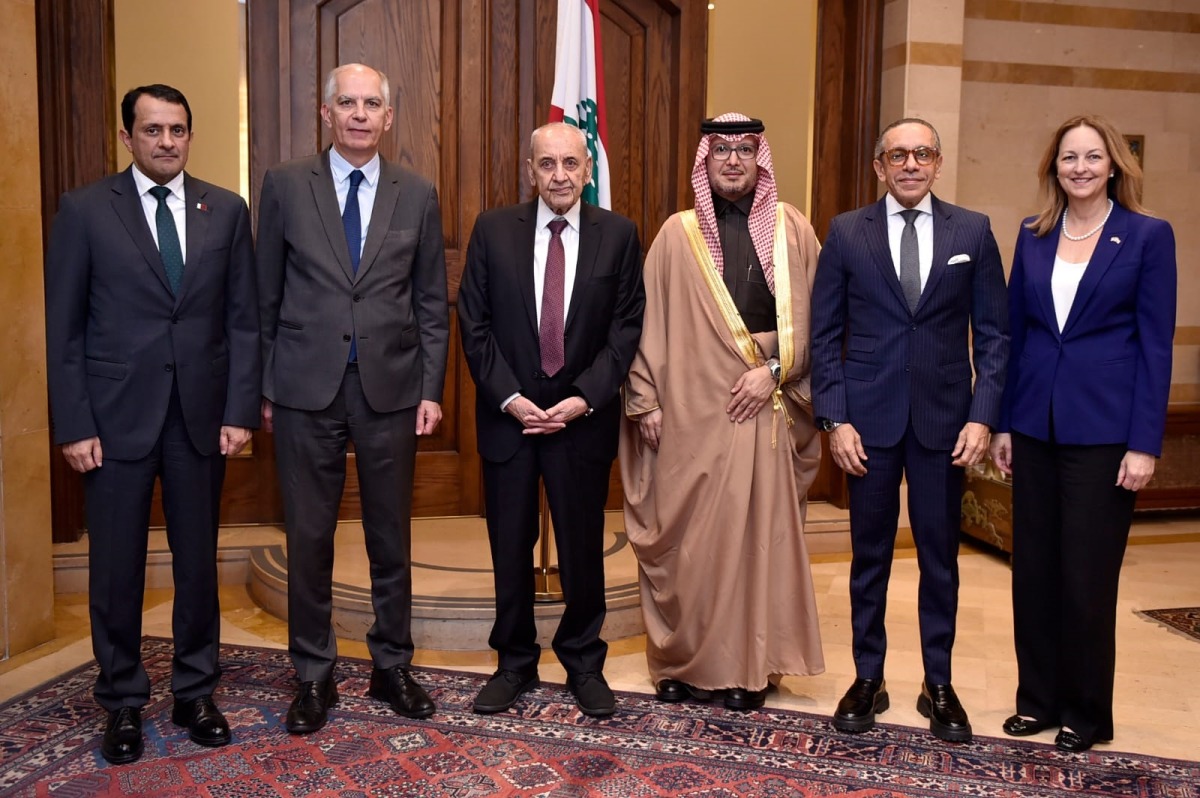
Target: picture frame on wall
x,y
1137,145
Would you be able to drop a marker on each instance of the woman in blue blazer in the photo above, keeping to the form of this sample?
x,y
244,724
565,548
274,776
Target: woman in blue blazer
x,y
1092,309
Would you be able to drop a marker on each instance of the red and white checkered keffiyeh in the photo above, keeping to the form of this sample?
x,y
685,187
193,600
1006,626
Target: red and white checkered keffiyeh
x,y
762,211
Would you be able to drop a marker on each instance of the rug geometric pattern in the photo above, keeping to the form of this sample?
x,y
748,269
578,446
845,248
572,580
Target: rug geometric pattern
x,y
1181,619
50,738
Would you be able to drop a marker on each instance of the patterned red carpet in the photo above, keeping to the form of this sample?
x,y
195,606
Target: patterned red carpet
x,y
50,737
1181,619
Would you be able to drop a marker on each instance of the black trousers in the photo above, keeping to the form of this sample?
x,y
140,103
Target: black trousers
x,y
117,497
1070,526
310,451
576,489
934,499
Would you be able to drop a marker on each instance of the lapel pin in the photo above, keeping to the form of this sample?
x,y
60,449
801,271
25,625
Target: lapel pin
x,y
1115,240
200,206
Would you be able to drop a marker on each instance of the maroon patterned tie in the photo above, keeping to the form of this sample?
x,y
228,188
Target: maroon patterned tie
x,y
550,329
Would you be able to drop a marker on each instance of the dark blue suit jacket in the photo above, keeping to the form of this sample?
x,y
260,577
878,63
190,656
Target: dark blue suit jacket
x,y
900,364
1107,376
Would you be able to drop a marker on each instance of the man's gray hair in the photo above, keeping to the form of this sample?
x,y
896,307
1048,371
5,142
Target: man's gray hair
x,y
578,131
331,82
908,120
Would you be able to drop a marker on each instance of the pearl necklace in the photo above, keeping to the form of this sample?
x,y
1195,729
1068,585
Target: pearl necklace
x,y
1089,233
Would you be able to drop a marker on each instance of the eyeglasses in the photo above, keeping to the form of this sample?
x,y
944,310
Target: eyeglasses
x,y
721,152
898,156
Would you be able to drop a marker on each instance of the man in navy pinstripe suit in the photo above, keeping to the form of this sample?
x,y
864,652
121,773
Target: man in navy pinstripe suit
x,y
906,288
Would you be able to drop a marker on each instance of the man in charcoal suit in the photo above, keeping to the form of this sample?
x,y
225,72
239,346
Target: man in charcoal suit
x,y
153,366
352,286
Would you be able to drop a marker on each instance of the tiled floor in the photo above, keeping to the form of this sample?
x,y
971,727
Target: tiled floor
x,y
1157,706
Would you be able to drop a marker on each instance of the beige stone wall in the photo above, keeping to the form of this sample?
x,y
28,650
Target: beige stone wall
x,y
1018,69
26,585
768,71
206,65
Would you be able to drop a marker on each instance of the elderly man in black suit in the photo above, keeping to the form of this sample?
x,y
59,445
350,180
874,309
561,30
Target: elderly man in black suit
x,y
911,290
352,287
550,311
153,366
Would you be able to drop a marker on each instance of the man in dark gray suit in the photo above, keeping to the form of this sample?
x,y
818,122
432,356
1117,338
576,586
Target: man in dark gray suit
x,y
906,287
153,366
352,288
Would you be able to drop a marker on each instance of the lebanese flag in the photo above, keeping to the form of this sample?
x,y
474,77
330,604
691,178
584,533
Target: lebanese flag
x,y
578,97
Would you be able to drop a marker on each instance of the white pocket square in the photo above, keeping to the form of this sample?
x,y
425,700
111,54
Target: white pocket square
x,y
963,258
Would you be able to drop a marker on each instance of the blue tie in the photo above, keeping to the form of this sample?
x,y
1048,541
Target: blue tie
x,y
352,222
168,239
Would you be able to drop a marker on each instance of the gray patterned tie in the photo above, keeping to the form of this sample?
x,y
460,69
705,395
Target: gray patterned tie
x,y
168,239
910,260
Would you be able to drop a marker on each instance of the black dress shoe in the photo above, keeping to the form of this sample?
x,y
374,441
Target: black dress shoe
x,y
673,690
1017,726
205,723
503,690
396,686
1068,740
122,742
865,699
741,699
310,707
947,719
592,694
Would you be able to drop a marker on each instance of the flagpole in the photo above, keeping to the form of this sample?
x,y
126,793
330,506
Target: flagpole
x,y
546,584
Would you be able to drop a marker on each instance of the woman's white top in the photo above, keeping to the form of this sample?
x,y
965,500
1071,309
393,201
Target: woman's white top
x,y
1064,282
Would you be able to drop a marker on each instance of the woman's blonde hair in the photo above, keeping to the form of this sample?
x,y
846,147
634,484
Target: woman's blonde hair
x,y
1124,187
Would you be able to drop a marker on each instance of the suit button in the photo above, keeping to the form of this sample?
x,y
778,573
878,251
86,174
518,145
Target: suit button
x,y
358,298
346,338
174,321
907,367
913,328
168,367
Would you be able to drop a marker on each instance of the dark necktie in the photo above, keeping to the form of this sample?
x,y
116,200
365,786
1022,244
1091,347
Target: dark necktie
x,y
910,260
550,329
168,239
352,221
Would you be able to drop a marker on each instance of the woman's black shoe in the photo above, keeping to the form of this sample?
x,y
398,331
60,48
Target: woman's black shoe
x,y
1017,726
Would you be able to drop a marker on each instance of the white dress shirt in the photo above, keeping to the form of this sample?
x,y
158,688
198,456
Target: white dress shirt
x,y
341,169
176,204
924,225
541,245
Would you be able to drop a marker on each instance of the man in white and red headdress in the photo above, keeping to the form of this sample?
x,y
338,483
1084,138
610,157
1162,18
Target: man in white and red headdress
x,y
721,447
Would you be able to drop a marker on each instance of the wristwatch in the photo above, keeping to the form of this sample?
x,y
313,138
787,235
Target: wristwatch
x,y
829,425
775,368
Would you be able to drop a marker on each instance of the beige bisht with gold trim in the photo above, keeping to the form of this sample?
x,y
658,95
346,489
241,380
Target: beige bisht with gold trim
x,y
716,515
